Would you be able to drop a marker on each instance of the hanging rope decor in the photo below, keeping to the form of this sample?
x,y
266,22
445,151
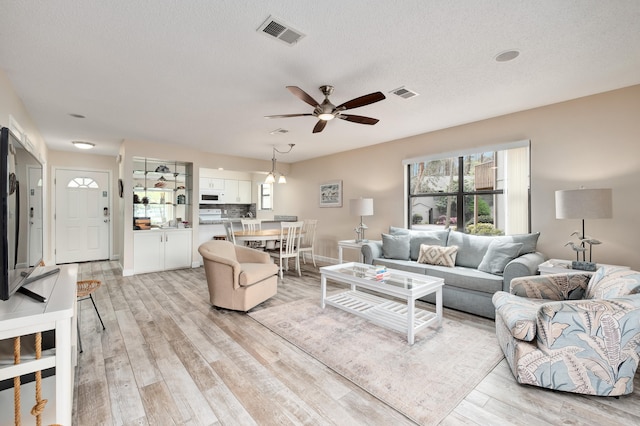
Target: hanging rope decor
x,y
40,403
16,382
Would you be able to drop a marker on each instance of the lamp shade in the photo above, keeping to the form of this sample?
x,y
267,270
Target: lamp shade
x,y
361,206
270,178
584,204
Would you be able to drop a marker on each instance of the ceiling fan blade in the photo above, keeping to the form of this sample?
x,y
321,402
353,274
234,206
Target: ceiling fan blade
x,y
286,115
319,126
303,95
361,101
358,119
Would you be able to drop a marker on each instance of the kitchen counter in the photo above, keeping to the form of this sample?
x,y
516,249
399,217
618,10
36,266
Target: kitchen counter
x,y
237,220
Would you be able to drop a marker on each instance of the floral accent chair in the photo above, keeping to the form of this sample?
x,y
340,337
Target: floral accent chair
x,y
572,332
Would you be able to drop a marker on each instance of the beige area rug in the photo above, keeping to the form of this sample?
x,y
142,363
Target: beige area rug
x,y
425,381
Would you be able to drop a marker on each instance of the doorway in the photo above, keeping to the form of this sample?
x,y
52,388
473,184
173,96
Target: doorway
x,y
82,215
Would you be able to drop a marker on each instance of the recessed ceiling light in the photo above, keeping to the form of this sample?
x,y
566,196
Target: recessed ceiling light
x,y
507,55
77,116
83,145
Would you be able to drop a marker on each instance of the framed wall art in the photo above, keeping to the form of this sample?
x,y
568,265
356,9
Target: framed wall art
x,y
331,194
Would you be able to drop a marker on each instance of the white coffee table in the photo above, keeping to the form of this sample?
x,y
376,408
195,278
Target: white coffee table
x,y
404,317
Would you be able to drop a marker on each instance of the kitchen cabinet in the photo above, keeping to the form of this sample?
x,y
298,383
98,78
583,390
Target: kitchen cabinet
x,y
230,191
244,191
237,191
161,249
162,192
212,183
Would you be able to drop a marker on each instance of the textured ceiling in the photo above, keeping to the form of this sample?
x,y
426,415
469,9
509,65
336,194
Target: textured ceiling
x,y
197,73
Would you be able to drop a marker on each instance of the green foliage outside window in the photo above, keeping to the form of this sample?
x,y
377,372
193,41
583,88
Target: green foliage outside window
x,y
484,229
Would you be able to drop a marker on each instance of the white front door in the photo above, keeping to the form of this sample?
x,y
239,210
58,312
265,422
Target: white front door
x,y
35,215
82,216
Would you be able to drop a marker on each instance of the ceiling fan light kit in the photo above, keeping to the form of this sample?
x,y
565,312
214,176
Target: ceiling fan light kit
x,y
326,111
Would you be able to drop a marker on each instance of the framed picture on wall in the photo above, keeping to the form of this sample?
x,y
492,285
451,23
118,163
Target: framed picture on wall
x,y
331,194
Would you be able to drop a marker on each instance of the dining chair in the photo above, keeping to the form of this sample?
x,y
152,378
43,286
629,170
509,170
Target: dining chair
x,y
289,244
252,225
228,228
307,239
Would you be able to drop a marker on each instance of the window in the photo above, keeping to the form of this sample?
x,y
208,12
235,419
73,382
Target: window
x,y
82,182
483,192
266,196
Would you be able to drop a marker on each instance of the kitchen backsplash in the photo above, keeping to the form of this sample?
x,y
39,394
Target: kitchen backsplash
x,y
235,210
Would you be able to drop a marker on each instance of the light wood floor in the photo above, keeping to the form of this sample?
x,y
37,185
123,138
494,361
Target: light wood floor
x,y
168,358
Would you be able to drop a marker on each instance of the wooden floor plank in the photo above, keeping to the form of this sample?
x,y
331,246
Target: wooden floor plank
x,y
168,357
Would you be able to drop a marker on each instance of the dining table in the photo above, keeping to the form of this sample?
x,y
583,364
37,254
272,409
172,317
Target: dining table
x,y
258,235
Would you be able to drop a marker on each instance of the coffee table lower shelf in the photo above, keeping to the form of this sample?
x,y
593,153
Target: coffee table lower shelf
x,y
381,311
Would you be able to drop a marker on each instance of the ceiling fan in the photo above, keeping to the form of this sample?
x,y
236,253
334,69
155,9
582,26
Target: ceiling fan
x,y
326,111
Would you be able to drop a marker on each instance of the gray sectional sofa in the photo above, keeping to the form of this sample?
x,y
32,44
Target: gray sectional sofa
x,y
483,264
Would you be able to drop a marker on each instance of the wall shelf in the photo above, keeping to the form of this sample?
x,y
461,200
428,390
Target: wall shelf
x,y
162,191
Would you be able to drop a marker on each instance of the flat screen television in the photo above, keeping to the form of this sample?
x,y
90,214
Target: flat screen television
x,y
21,236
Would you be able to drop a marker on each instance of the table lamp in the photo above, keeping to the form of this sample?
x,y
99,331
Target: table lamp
x,y
584,204
361,207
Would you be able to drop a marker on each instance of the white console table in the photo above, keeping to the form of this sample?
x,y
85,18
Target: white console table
x,y
21,315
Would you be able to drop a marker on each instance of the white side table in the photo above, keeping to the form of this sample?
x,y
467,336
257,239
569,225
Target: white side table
x,y
350,244
558,266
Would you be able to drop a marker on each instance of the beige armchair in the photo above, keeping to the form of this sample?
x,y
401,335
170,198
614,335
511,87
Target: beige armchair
x,y
239,277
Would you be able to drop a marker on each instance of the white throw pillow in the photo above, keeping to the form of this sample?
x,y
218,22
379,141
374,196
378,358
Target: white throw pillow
x,y
438,255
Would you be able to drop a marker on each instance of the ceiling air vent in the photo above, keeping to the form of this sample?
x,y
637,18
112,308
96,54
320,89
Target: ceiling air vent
x,y
279,132
276,28
404,93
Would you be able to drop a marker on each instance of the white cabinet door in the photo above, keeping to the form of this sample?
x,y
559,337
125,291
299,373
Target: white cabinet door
x,y
204,183
177,249
161,250
244,192
230,191
212,183
148,251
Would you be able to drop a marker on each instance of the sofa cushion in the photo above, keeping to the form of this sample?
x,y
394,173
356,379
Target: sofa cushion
x,y
518,313
394,230
458,276
471,248
418,237
438,255
396,246
498,255
467,278
430,238
609,282
529,241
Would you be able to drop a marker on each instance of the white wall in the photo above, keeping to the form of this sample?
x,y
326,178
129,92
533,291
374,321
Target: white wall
x,y
11,105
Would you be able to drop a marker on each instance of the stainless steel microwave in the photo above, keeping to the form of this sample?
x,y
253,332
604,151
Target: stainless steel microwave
x,y
211,196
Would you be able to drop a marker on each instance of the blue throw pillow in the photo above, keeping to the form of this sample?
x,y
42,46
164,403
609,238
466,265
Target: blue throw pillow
x,y
395,246
498,255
